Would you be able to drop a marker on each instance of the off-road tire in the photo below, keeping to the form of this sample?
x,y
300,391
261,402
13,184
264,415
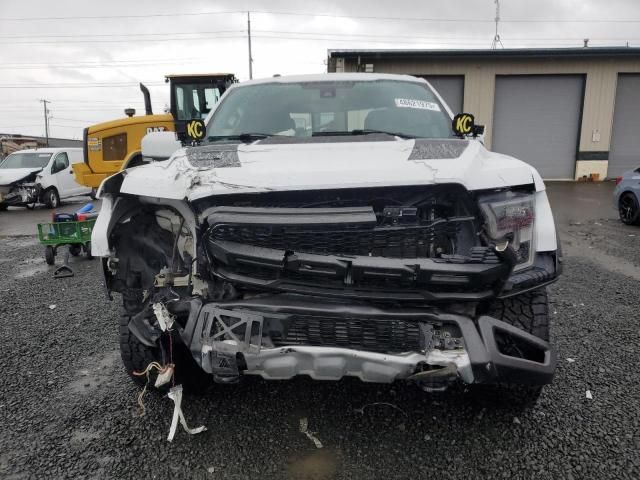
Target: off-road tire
x,y
51,198
75,250
136,356
528,312
3,207
629,209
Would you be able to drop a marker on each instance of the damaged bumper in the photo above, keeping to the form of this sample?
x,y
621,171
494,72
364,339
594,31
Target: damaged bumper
x,y
22,194
281,336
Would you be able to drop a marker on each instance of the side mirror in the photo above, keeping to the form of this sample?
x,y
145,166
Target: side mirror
x,y
159,146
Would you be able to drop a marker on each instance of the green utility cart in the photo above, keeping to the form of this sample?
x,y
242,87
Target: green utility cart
x,y
75,233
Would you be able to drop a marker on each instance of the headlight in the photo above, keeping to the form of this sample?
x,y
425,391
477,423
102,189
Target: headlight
x,y
510,217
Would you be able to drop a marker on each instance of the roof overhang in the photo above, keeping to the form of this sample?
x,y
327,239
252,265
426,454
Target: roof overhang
x,y
521,53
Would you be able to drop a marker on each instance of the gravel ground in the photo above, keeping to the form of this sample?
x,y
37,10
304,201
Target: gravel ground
x,y
68,410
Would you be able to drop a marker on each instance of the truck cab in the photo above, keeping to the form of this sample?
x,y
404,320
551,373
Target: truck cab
x,y
115,145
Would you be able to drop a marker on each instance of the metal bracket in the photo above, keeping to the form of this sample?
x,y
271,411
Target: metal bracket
x,y
219,349
427,340
226,337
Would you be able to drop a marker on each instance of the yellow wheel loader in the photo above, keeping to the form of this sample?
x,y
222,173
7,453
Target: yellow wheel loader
x,y
113,146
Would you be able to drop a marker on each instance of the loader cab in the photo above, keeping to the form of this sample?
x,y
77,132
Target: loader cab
x,y
193,97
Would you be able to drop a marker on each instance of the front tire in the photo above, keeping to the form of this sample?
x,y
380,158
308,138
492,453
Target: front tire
x,y
628,209
136,356
51,198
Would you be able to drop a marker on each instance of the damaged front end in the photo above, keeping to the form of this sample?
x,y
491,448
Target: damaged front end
x,y
384,284
23,192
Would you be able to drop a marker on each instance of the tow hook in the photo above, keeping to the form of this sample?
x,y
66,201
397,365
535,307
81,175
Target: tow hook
x,y
436,379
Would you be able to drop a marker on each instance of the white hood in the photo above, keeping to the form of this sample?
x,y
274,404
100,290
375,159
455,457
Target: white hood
x,y
310,166
10,175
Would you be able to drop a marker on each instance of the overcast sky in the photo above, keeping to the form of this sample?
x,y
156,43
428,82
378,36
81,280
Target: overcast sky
x,y
87,57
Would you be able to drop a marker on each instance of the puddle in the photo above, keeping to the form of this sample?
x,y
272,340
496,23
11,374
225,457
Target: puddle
x,y
31,267
26,241
97,373
319,465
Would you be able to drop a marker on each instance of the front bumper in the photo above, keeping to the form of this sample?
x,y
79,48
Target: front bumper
x,y
334,339
21,195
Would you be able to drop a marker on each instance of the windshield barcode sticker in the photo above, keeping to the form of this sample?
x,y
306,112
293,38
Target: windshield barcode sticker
x,y
421,104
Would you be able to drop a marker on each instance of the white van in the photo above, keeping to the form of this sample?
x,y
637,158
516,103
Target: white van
x,y
40,175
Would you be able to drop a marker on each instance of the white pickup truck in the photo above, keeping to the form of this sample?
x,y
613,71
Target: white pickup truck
x,y
333,225
41,175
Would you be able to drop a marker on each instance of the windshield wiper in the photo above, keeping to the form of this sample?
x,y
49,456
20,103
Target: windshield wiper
x,y
244,137
366,131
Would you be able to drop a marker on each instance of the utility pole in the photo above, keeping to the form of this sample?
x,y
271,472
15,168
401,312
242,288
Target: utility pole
x,y
249,39
46,118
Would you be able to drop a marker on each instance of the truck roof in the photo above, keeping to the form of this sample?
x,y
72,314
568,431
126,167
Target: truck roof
x,y
198,75
51,149
332,77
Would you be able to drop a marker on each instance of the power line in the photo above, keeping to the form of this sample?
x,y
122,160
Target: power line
x,y
73,120
105,17
367,35
329,15
80,85
169,39
427,19
120,34
106,62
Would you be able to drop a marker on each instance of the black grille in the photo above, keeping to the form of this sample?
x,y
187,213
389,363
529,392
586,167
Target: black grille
x,y
372,335
391,242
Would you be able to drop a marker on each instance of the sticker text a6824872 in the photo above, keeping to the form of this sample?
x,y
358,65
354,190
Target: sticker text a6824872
x,y
420,104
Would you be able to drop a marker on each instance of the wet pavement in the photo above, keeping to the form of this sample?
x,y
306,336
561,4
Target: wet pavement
x,y
68,410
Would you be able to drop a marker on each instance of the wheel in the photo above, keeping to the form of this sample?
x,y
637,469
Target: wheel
x,y
628,209
51,198
93,193
87,250
50,255
528,312
75,250
3,207
136,356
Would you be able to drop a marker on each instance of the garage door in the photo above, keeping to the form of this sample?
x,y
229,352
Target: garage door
x,y
450,87
624,154
537,119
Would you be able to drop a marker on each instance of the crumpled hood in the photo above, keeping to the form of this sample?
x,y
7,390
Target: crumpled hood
x,y
199,172
11,175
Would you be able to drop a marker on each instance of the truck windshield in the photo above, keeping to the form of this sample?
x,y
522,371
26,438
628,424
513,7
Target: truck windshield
x,y
307,109
26,160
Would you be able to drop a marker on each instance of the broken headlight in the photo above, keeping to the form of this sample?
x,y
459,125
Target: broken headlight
x,y
509,217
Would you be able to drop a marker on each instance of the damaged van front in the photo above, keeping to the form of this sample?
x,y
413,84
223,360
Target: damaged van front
x,y
330,226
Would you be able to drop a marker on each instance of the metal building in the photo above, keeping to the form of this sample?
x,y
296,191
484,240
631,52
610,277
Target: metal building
x,y
570,112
